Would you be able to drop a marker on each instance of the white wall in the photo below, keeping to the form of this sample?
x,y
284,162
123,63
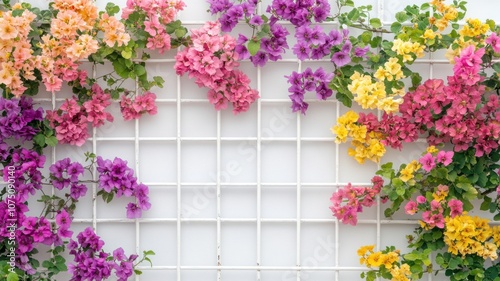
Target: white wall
x,y
268,217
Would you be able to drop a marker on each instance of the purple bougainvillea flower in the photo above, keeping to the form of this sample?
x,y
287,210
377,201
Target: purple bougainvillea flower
x,y
341,58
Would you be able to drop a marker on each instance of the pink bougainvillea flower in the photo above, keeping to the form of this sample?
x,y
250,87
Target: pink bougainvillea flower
x,y
141,104
445,157
428,162
456,207
494,41
421,199
411,208
213,61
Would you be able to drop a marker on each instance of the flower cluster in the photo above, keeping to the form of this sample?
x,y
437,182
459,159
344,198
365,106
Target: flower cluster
x,y
231,13
367,144
474,28
23,170
92,263
71,120
314,43
373,95
455,113
435,209
445,13
17,60
115,177
494,41
377,259
430,160
407,50
439,185
354,198
388,264
473,33
69,41
466,235
114,31
18,119
65,173
269,43
141,104
300,13
391,71
47,47
158,14
70,123
308,81
26,175
212,61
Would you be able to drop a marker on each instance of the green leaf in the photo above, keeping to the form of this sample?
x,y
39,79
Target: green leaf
x,y
52,141
402,17
344,99
470,191
412,10
483,180
497,217
375,22
126,54
397,182
139,70
110,197
115,94
496,67
437,234
371,276
454,263
39,139
442,172
17,12
159,81
47,264
120,68
12,276
61,267
253,46
128,63
396,27
366,37
112,9
137,272
491,23
411,257
486,204
400,190
59,259
416,268
493,207
105,51
149,253
266,28
180,32
376,41
261,34
353,15
349,3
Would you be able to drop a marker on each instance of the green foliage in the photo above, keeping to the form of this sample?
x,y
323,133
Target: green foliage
x,y
254,46
409,25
